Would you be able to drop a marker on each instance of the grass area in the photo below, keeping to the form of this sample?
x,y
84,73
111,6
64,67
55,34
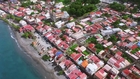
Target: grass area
x,y
86,53
73,47
69,51
45,57
91,40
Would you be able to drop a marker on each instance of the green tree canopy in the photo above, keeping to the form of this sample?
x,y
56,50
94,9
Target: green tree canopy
x,y
117,6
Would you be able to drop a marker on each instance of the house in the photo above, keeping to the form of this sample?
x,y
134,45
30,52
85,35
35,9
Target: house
x,y
65,64
19,14
80,49
65,15
126,72
78,35
29,18
26,28
34,1
91,68
75,74
47,15
101,74
136,15
59,24
59,5
22,22
70,25
47,28
92,14
98,13
75,56
70,69
13,1
2,13
110,31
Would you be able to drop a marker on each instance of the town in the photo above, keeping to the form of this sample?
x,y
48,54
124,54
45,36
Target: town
x,y
103,43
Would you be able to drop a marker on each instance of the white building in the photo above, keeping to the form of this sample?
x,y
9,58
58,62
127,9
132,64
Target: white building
x,y
22,22
59,24
110,31
34,1
59,5
71,24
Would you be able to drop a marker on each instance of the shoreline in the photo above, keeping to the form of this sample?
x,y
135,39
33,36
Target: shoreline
x,y
37,61
44,67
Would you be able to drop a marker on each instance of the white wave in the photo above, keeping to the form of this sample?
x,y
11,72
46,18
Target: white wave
x,y
12,36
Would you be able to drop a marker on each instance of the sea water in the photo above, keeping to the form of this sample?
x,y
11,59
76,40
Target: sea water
x,y
14,63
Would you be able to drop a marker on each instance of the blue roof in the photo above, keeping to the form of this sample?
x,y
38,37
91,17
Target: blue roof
x,y
138,44
58,53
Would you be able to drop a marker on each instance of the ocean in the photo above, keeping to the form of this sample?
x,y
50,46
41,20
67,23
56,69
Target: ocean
x,y
14,62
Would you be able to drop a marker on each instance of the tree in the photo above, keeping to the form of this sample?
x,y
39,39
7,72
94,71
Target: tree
x,y
113,38
99,46
77,8
25,35
116,6
134,10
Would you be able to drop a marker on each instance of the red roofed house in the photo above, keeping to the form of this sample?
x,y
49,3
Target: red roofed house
x,y
126,72
75,74
26,28
75,56
101,74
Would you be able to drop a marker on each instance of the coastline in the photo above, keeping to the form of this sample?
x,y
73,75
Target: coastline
x,y
45,68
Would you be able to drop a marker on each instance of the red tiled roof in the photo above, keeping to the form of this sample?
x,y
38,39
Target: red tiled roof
x,y
68,63
83,76
76,56
99,75
91,45
95,59
134,47
38,27
126,72
119,53
28,27
42,17
98,12
21,8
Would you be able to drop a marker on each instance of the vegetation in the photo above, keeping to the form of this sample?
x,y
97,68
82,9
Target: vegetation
x,y
106,14
91,40
27,35
113,38
127,57
26,3
134,10
73,47
135,50
61,72
125,17
98,50
99,46
86,52
45,57
117,6
81,7
66,2
116,23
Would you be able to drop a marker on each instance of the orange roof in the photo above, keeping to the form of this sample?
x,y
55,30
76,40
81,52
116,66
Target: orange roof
x,y
84,63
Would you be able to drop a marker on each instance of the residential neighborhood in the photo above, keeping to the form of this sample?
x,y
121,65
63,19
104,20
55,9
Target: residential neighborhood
x,y
103,44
